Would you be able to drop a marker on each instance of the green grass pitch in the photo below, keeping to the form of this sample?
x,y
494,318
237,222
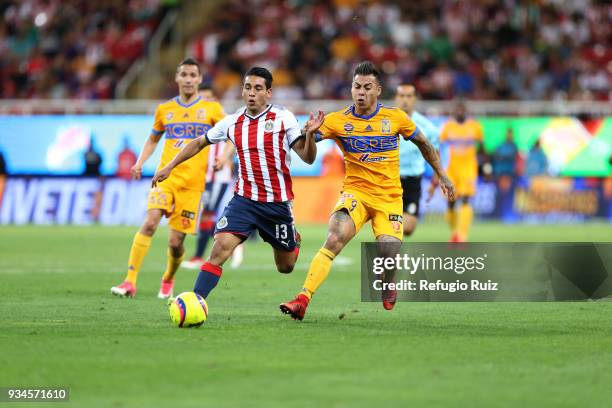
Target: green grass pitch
x,y
61,327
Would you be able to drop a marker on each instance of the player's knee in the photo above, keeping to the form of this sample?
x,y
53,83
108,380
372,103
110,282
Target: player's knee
x,y
176,246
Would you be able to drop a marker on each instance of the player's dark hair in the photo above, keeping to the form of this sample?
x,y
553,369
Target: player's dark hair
x,y
262,73
188,61
367,68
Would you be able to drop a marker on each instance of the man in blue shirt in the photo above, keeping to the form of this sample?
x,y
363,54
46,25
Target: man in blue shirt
x,y
412,164
504,163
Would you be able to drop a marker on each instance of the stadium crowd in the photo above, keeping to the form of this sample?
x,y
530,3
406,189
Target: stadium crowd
x,y
485,49
71,49
481,49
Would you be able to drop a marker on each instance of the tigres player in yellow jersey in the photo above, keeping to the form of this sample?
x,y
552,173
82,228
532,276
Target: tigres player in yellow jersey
x,y
369,136
182,119
464,137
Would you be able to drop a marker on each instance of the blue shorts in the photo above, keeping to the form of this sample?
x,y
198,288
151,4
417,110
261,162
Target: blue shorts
x,y
274,221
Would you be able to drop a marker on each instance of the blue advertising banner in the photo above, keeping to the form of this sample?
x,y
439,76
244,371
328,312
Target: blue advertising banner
x,y
55,145
114,201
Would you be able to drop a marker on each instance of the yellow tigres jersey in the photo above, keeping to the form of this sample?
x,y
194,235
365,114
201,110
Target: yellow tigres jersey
x,y
462,139
182,123
371,148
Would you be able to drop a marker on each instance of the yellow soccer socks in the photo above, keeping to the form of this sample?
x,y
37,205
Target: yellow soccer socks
x,y
140,247
451,219
172,266
318,271
466,214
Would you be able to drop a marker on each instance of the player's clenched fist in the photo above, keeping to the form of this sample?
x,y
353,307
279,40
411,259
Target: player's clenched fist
x,y
136,171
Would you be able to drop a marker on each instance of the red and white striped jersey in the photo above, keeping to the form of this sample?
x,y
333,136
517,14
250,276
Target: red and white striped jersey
x,y
225,174
263,145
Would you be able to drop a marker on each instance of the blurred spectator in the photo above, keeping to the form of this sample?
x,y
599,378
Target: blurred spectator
x,y
511,49
504,159
332,163
71,49
125,161
537,163
478,49
93,160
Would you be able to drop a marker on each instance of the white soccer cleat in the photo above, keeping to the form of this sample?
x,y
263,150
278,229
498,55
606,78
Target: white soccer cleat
x,y
193,263
237,257
126,289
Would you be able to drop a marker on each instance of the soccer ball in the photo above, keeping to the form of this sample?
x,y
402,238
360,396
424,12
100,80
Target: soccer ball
x,y
188,310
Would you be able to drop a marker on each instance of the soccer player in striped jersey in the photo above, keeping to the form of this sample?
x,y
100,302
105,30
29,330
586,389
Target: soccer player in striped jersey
x,y
412,164
369,135
181,119
263,135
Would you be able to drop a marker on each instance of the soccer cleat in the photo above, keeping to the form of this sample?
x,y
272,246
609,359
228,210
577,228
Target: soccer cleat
x,y
237,256
194,263
165,291
388,298
296,308
456,238
126,289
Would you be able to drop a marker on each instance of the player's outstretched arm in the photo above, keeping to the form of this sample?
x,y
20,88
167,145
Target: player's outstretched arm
x,y
192,148
432,157
306,147
226,156
147,151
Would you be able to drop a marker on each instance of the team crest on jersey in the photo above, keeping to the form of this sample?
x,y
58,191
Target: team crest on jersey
x,y
169,116
201,114
186,222
348,127
269,125
385,126
222,223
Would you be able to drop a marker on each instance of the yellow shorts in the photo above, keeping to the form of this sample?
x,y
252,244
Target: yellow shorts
x,y
181,205
386,216
464,182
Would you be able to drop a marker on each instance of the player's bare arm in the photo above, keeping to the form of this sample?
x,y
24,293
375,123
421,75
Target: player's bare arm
x,y
432,157
147,150
192,148
225,157
435,182
306,147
